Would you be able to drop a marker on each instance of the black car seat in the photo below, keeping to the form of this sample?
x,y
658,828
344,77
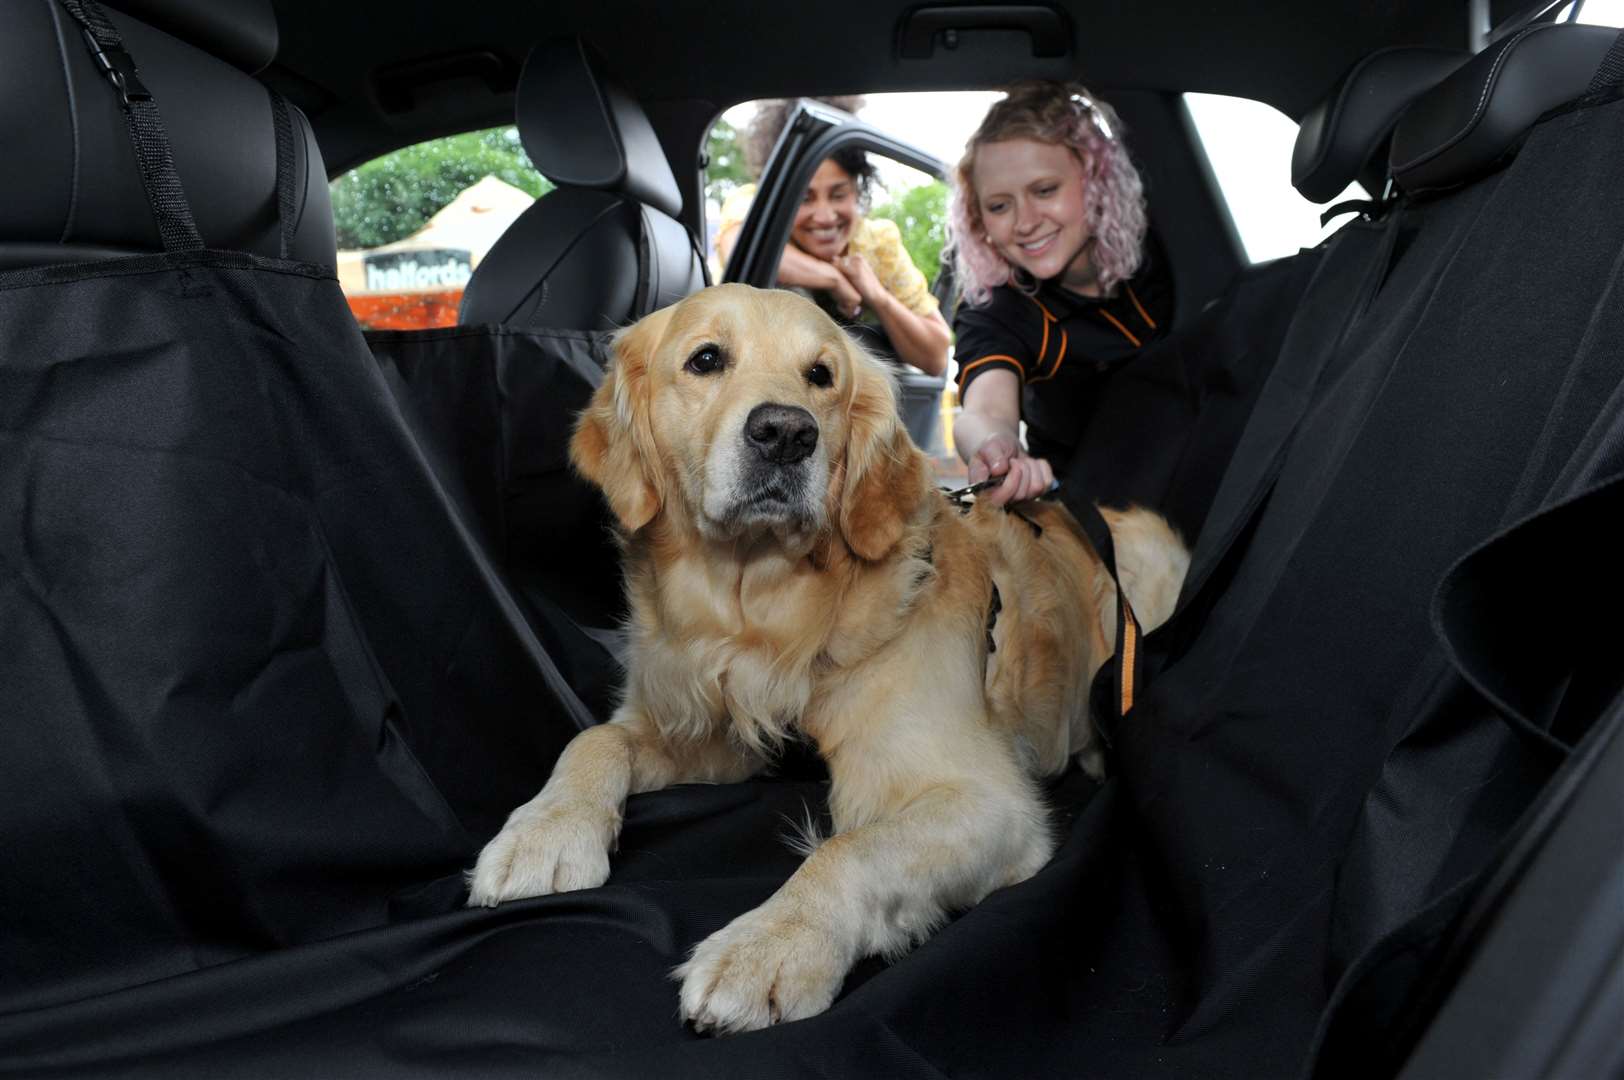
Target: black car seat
x,y
1343,138
605,247
71,190
1163,430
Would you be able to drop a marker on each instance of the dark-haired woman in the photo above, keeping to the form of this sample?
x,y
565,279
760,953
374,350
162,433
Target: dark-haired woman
x,y
852,265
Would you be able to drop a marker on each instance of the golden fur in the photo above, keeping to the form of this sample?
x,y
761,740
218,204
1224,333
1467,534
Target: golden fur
x,y
838,596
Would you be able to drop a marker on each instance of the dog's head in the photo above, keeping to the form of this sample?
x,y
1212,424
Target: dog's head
x,y
743,411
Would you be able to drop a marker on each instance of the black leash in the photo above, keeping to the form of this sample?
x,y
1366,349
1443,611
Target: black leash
x,y
1129,657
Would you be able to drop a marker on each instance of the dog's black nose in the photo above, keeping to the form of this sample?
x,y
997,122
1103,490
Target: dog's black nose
x,y
783,434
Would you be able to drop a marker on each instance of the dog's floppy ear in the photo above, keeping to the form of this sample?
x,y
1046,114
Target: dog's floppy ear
x,y
885,475
614,439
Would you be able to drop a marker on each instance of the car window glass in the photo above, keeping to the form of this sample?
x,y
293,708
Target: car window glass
x,y
413,224
1249,146
1595,12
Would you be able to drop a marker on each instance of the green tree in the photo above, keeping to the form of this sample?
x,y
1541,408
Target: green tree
x,y
725,170
921,216
391,197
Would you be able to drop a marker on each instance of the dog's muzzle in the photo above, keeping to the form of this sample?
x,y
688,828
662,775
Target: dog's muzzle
x,y
781,434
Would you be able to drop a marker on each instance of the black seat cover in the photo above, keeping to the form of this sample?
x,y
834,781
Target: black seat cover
x,y
605,248
71,190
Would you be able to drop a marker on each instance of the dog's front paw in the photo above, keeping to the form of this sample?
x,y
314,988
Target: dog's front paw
x,y
549,845
769,965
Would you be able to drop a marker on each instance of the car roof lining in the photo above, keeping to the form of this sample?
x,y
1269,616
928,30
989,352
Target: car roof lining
x,y
1276,51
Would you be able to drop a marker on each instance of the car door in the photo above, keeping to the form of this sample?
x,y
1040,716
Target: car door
x,y
813,132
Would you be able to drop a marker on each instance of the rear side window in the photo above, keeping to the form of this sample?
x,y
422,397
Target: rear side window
x,y
413,224
1249,146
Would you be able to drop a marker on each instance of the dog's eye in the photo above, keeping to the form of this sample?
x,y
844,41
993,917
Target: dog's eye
x,y
705,360
819,374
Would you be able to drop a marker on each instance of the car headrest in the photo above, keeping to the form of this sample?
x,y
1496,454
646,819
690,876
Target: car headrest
x,y
71,189
582,129
240,32
1339,136
1475,118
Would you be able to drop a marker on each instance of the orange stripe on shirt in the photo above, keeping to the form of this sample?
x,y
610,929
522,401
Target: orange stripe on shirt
x,y
1125,331
972,365
1143,314
1058,360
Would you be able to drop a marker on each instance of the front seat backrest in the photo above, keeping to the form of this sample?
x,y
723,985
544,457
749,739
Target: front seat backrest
x,y
71,189
605,248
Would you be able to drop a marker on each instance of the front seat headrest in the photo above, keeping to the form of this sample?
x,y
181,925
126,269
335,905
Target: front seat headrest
x,y
581,129
241,32
71,189
1340,136
1474,119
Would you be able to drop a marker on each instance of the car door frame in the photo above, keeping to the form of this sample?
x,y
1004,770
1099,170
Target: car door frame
x,y
814,131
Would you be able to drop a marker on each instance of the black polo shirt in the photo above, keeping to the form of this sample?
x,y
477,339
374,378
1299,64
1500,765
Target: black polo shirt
x,y
1062,346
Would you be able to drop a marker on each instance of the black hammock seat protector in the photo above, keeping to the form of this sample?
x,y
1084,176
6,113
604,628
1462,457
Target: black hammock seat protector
x,y
1160,430
266,690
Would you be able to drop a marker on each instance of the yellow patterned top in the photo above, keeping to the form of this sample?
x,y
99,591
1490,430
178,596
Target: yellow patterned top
x,y
875,239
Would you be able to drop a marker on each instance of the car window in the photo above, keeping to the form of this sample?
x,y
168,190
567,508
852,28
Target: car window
x,y
938,123
1594,12
413,224
1249,146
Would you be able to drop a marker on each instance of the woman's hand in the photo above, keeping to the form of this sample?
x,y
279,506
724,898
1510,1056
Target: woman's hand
x,y
920,340
856,270
1025,477
798,269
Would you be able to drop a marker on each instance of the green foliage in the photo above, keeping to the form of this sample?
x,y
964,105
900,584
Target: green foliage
x,y
726,170
921,215
391,197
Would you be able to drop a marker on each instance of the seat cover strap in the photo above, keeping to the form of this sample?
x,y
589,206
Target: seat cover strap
x,y
155,158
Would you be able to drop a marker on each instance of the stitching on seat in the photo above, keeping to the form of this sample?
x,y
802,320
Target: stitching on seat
x,y
73,123
1482,101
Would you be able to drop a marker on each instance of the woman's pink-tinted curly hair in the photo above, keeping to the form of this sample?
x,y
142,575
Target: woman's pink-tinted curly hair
x,y
1113,195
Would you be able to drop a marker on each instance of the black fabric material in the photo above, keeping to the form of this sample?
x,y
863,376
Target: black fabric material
x,y
1159,431
267,691
1495,619
1611,71
493,410
1113,697
261,682
1312,769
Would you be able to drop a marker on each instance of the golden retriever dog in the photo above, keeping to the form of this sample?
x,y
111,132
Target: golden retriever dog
x,y
792,570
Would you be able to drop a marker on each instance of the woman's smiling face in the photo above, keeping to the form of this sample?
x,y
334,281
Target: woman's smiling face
x,y
828,212
1030,197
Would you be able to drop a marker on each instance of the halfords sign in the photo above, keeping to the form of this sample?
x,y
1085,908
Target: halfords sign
x,y
434,268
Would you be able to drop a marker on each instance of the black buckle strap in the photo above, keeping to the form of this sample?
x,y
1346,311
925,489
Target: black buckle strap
x,y
153,154
119,67
287,208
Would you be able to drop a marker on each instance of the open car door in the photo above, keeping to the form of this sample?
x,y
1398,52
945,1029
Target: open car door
x,y
813,132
